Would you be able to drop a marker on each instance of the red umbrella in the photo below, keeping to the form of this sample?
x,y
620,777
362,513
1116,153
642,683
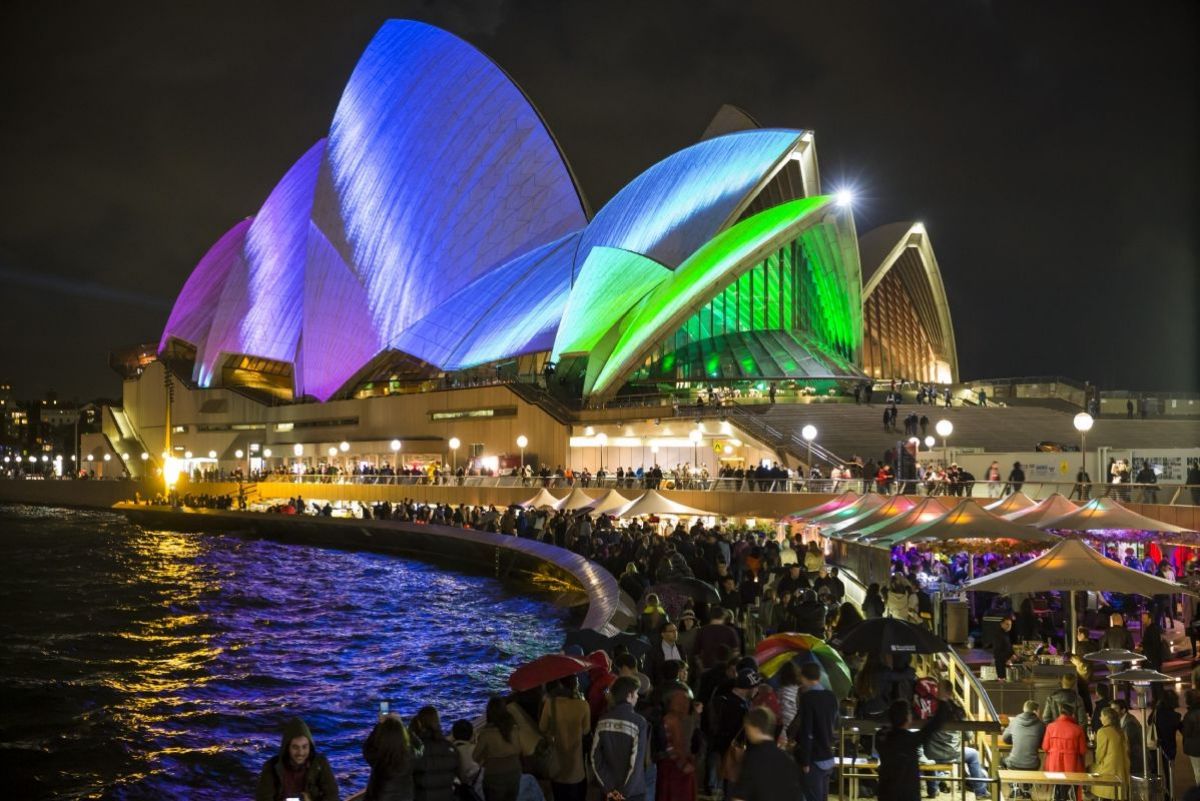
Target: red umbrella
x,y
550,667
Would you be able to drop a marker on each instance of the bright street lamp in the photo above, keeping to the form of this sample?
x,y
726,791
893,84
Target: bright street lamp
x,y
297,449
944,429
809,432
930,442
1083,424
344,446
695,437
332,452
266,453
186,455
108,457
395,446
145,456
454,443
522,442
239,453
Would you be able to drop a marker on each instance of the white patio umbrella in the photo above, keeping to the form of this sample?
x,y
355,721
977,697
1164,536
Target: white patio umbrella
x,y
1072,566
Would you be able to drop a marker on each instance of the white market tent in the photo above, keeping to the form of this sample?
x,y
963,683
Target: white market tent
x,y
609,502
1010,503
1106,514
577,499
1053,506
651,502
542,500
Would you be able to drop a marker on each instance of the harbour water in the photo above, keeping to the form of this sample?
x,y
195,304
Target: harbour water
x,y
155,664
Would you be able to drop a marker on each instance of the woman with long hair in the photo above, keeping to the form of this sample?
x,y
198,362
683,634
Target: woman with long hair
x,y
848,617
1112,753
789,693
498,751
873,604
435,770
388,750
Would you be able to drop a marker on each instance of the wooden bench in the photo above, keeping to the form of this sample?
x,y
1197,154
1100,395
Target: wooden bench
x,y
863,768
1053,777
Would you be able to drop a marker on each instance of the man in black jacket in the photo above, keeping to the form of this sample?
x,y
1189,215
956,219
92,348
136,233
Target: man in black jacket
x,y
767,774
1002,648
899,765
812,732
619,743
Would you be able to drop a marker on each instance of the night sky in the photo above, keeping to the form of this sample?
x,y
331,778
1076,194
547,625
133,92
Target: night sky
x,y
1050,148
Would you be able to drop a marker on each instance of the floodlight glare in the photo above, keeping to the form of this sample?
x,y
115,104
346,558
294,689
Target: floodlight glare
x,y
395,445
1083,422
297,449
844,197
944,428
809,432
930,441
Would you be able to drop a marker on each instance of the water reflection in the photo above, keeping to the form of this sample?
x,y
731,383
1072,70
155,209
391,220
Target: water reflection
x,y
153,664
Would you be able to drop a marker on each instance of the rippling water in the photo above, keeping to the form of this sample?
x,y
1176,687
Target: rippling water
x,y
154,664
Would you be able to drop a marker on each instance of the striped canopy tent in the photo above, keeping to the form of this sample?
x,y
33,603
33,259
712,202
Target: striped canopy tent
x,y
831,505
651,502
576,499
542,500
895,506
1054,506
1010,503
1106,514
925,510
861,505
609,502
970,521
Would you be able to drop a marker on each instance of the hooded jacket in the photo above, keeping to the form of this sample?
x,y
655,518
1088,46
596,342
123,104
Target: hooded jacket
x,y
1025,732
319,782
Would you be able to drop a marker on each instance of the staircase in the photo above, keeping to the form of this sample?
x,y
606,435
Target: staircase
x,y
539,397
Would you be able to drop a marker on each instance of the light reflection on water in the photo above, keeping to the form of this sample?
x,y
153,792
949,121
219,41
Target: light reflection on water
x,y
149,664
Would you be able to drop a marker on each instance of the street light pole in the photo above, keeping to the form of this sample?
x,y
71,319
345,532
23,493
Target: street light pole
x,y
809,432
944,429
522,441
454,443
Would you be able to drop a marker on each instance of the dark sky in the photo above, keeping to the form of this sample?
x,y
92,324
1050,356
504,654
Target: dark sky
x,y
1050,148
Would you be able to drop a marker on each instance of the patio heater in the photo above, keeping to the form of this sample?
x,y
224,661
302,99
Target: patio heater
x,y
1144,677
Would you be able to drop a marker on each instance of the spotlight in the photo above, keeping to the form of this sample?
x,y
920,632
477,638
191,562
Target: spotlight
x,y
844,197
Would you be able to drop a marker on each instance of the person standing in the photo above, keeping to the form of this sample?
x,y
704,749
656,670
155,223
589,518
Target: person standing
x,y
1152,646
498,752
1112,753
899,765
1167,721
566,718
767,773
1002,649
1016,478
994,480
1190,728
812,732
1065,745
435,768
1133,736
677,763
619,745
1066,695
298,770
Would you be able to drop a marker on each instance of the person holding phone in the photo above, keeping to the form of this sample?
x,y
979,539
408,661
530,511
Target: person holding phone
x,y
298,770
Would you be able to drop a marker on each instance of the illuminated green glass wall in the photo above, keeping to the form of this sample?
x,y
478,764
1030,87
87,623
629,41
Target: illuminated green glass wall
x,y
798,292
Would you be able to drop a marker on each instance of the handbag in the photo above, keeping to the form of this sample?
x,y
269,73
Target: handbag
x,y
731,760
544,762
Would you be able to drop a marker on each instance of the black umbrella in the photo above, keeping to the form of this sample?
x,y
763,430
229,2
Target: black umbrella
x,y
889,635
591,640
691,587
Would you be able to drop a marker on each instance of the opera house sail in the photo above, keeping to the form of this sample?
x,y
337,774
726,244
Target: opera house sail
x,y
438,228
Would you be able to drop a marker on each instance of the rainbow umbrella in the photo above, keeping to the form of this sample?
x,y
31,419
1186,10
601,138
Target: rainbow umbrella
x,y
777,650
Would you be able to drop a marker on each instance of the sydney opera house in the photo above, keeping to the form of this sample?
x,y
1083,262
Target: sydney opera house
x,y
437,239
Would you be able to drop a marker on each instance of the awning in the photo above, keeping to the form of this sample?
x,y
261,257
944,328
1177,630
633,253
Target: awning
x,y
1010,503
1054,506
653,503
1106,514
